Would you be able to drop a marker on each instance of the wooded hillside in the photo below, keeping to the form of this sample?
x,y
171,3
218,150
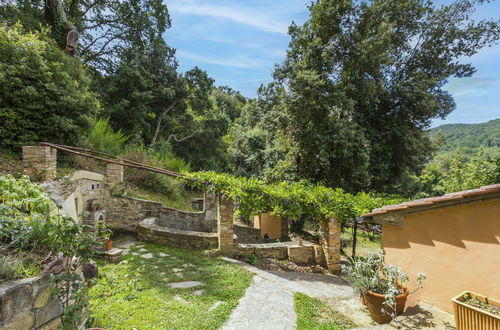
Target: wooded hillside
x,y
470,136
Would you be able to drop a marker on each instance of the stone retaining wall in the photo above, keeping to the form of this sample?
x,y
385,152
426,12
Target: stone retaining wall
x,y
148,230
300,254
29,304
194,221
125,213
247,234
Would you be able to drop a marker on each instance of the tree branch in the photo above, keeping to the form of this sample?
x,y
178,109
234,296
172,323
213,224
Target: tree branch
x,y
160,120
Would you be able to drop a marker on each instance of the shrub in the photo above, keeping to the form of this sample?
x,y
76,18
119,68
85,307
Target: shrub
x,y
45,95
103,138
18,266
372,274
27,224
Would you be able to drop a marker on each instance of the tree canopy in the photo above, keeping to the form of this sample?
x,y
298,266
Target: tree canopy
x,y
362,81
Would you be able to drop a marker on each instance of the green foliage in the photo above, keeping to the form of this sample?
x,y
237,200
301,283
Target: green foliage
x,y
457,172
103,138
312,313
469,137
372,274
136,291
476,302
45,94
18,266
153,184
25,222
291,200
362,81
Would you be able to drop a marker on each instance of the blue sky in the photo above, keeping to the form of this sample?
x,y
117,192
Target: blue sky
x,y
238,42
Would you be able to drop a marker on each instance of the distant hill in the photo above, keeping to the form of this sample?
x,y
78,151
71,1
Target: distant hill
x,y
471,136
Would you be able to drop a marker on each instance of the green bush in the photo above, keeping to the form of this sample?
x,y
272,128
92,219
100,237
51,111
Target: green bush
x,y
26,222
18,266
156,183
290,200
103,138
45,94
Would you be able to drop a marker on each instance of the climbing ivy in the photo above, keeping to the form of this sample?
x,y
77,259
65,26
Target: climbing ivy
x,y
291,200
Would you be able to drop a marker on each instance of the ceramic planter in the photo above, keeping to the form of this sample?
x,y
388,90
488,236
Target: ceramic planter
x,y
469,317
375,303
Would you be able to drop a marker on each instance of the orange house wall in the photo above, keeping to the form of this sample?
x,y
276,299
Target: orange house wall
x,y
458,248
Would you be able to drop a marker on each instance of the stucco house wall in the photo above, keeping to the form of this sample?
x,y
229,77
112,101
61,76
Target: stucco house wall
x,y
457,247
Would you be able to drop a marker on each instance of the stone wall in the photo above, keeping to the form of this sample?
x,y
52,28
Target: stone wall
x,y
40,162
225,214
195,221
114,173
148,230
300,254
247,234
29,304
125,213
329,236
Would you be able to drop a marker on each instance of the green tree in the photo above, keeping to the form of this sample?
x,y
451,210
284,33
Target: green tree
x,y
45,95
457,172
362,81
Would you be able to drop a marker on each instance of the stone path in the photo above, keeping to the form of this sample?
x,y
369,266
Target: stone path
x,y
268,303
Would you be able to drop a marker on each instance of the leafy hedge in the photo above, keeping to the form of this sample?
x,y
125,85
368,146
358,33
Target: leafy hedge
x,y
291,200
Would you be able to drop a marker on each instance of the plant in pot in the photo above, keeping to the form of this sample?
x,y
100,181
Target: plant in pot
x,y
382,286
103,235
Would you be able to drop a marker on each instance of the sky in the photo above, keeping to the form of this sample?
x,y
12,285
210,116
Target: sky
x,y
238,42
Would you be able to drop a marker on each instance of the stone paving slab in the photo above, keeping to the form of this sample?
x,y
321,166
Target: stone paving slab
x,y
185,285
268,303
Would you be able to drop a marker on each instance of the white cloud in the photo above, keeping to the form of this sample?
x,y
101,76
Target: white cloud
x,y
265,21
241,61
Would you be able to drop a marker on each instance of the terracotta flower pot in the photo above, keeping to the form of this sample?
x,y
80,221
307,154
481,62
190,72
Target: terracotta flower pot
x,y
375,303
108,245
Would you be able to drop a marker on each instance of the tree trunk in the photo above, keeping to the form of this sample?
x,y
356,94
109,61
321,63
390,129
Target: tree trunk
x,y
158,123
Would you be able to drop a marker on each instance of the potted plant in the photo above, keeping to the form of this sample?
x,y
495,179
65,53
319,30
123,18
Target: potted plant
x,y
382,286
103,234
475,311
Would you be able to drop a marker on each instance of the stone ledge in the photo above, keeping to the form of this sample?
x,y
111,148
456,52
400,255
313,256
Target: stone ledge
x,y
148,230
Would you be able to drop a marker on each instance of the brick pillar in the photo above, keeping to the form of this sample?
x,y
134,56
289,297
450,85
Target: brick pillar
x,y
329,236
114,173
40,162
225,226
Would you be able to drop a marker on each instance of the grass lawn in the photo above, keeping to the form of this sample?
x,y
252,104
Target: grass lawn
x,y
134,294
363,245
312,313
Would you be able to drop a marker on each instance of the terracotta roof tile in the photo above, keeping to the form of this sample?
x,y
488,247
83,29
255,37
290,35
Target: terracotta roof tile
x,y
455,196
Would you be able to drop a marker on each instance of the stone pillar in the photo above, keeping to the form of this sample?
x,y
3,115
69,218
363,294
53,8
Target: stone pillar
x,y
284,230
329,236
114,173
225,226
40,162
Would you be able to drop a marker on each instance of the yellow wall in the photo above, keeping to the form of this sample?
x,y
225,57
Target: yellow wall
x,y
268,224
457,247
